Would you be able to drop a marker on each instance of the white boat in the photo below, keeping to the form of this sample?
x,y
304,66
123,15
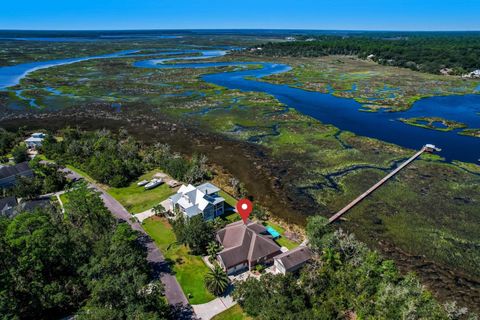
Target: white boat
x,y
142,183
154,183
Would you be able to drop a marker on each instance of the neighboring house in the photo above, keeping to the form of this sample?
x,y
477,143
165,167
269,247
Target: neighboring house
x,y
35,140
7,206
31,205
9,174
192,201
10,208
473,74
244,246
292,260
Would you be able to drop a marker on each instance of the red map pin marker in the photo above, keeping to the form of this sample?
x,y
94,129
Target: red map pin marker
x,y
244,208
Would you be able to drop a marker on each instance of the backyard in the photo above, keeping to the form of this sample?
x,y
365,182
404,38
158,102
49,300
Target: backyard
x,y
282,240
233,313
233,216
136,199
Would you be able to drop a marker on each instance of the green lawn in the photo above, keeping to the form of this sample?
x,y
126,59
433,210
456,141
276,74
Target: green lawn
x,y
231,217
234,313
189,270
228,198
282,241
64,198
230,203
136,199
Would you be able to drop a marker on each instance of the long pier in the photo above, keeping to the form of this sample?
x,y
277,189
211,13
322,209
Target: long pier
x,y
340,213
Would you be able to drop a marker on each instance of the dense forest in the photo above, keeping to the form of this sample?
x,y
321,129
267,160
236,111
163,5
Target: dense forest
x,y
426,53
117,159
79,262
346,280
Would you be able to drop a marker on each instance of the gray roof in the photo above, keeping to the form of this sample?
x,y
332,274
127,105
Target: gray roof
x,y
175,197
17,169
192,195
7,206
34,204
197,199
208,188
192,211
295,257
10,208
214,200
245,242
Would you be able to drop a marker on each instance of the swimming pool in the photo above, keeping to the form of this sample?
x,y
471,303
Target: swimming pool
x,y
273,232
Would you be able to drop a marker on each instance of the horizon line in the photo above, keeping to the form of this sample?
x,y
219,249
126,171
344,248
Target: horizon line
x,y
241,29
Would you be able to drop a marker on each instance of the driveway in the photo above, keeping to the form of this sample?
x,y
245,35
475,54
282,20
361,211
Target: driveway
x,y
173,291
210,309
144,215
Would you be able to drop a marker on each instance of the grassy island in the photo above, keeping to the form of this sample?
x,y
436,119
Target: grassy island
x,y
434,123
470,132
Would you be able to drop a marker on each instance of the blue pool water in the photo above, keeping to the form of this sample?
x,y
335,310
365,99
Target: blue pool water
x,y
274,233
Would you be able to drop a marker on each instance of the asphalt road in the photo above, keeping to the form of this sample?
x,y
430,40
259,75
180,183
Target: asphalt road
x,y
162,271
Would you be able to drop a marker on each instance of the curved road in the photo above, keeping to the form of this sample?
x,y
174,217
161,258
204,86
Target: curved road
x,y
173,291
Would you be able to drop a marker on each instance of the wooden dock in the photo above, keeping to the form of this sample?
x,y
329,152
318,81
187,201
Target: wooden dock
x,y
340,213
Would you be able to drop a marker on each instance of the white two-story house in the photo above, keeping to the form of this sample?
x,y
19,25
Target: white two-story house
x,y
192,201
35,140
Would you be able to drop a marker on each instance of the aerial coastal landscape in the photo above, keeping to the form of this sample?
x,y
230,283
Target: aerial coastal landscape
x,y
193,167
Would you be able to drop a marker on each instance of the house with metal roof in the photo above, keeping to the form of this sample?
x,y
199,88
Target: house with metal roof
x,y
244,246
35,140
203,199
292,260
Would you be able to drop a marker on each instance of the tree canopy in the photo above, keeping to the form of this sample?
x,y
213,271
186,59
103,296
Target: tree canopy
x,y
194,232
423,52
118,159
345,280
82,262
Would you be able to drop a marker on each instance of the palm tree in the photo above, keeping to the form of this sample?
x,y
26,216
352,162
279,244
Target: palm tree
x,y
216,280
159,210
212,250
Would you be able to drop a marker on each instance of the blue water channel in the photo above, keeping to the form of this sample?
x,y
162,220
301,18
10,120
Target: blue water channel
x,y
344,112
341,112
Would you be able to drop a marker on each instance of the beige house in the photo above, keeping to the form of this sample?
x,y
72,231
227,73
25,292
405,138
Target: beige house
x,y
292,260
244,246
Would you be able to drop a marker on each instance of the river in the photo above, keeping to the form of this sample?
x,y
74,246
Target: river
x,y
341,112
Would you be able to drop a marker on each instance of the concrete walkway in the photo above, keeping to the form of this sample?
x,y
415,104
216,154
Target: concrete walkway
x,y
58,194
210,309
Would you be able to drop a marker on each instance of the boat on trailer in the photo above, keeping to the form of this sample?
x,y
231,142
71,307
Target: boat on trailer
x,y
142,183
154,183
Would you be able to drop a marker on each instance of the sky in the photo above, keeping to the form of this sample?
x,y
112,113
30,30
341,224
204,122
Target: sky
x,y
245,14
